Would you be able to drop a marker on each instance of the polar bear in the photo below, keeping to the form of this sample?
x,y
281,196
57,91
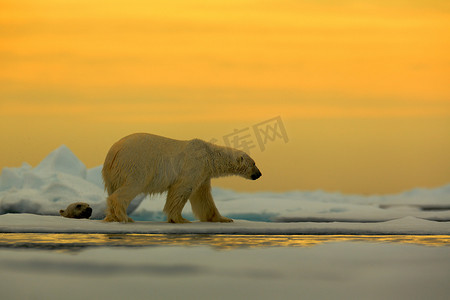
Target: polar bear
x,y
150,164
77,210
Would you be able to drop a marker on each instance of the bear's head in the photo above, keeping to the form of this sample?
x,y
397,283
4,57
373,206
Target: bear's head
x,y
77,210
246,166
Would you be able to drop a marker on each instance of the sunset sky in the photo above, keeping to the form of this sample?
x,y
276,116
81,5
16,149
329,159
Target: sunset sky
x,y
361,87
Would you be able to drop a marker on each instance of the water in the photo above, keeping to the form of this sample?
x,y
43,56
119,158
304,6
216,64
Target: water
x,y
77,242
205,266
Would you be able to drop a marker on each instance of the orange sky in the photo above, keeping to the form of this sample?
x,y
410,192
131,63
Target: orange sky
x,y
362,87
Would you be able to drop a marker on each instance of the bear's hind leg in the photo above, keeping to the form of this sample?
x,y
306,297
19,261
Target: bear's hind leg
x,y
117,204
203,205
176,199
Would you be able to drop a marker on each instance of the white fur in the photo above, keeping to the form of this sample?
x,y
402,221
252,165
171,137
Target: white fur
x,y
146,163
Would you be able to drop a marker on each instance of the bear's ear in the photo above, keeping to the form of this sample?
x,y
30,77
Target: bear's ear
x,y
61,212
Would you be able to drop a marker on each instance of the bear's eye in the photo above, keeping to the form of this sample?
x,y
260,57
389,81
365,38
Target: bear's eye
x,y
78,206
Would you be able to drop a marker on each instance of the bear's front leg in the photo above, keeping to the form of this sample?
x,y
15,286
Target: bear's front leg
x,y
203,205
177,219
176,199
222,219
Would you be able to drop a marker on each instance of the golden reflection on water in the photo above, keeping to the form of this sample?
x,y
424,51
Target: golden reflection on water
x,y
62,241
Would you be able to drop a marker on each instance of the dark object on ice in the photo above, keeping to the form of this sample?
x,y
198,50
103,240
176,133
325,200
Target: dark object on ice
x,y
77,210
423,207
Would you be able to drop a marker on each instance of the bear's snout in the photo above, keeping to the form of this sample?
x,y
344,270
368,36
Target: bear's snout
x,y
256,175
85,214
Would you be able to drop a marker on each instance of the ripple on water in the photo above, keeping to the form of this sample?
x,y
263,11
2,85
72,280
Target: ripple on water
x,y
76,242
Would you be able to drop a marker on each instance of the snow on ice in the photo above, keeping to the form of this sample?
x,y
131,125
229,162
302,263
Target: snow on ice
x,y
60,179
